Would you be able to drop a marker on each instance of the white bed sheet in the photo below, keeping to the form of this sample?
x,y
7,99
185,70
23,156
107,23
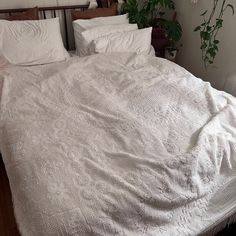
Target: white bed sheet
x,y
73,53
116,144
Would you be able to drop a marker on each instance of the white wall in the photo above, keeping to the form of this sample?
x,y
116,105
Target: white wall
x,y
223,74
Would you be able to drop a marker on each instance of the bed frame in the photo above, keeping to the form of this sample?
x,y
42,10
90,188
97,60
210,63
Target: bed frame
x,y
57,11
7,221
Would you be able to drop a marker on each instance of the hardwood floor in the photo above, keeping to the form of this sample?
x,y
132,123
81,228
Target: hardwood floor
x,y
7,221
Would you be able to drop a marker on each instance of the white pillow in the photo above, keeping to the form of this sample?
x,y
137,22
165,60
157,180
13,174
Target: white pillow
x,y
138,41
89,35
32,42
99,21
82,25
152,51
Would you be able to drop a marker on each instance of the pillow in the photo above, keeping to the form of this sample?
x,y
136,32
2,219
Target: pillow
x,y
82,25
92,13
100,31
32,42
152,51
89,35
93,4
31,14
138,41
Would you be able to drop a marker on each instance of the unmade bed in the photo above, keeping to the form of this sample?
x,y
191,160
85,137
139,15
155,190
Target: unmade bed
x,y
111,141
117,144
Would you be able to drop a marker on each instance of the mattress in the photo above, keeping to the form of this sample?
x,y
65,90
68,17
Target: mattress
x,y
117,144
221,209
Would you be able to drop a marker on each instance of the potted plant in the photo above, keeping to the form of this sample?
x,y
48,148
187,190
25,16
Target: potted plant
x,y
166,32
210,28
174,34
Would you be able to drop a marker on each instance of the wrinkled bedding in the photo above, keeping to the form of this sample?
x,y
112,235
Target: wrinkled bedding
x,y
115,144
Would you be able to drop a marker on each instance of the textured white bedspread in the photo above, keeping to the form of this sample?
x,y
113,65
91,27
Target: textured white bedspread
x,y
115,144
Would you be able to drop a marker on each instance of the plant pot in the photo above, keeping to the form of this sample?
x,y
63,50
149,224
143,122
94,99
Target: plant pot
x,y
171,53
159,41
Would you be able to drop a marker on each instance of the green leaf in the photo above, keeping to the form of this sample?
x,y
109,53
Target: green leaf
x,y
216,48
204,46
174,30
216,41
145,15
204,13
208,28
205,35
232,8
197,28
219,23
212,52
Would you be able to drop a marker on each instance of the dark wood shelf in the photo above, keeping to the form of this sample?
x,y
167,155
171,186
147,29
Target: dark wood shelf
x,y
8,225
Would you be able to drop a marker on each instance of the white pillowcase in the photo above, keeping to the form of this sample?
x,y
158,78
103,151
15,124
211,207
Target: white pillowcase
x,y
82,25
89,35
138,41
32,42
152,51
99,21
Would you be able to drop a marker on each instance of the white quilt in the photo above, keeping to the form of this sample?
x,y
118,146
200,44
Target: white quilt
x,y
115,144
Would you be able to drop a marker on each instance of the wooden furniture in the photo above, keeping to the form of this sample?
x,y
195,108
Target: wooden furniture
x,y
159,41
8,225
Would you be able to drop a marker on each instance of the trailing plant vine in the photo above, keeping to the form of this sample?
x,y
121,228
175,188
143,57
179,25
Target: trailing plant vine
x,y
209,30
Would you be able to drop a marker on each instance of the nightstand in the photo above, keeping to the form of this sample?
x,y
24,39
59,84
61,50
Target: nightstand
x,y
159,41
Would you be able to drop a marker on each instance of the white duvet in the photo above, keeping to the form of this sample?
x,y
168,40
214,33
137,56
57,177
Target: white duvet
x,y
115,144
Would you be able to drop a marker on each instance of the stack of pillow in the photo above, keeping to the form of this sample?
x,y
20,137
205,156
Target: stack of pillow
x,y
26,40
110,34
